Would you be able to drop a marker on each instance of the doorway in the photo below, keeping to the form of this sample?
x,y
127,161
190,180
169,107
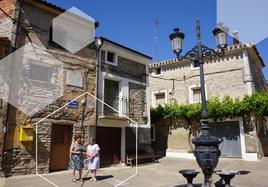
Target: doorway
x,y
229,132
61,139
109,140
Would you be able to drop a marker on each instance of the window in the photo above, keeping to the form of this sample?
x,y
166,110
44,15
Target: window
x,y
196,95
159,99
196,64
110,57
158,71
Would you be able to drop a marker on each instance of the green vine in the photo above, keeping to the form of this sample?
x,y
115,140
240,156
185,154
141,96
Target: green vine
x,y
188,115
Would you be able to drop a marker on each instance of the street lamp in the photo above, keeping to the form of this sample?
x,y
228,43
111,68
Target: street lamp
x,y
206,151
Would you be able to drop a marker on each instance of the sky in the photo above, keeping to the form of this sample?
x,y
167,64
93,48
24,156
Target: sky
x,y
131,23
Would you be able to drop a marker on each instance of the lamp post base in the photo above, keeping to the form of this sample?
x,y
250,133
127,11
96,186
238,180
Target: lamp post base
x,y
207,155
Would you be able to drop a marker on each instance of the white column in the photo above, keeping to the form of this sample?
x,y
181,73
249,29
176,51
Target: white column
x,y
123,93
245,155
242,137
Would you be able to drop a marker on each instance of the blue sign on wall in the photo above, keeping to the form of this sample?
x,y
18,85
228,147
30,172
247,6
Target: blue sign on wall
x,y
73,105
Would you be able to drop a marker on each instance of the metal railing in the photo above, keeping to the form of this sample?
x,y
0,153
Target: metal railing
x,y
117,102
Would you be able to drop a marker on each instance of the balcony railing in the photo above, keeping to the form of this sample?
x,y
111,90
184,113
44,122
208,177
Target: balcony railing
x,y
120,104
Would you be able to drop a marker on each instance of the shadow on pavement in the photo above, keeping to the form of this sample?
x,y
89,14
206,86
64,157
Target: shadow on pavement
x,y
183,185
99,178
243,172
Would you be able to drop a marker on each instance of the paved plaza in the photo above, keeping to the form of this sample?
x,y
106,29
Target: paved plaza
x,y
162,174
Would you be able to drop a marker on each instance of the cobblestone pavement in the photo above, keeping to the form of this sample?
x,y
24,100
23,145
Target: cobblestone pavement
x,y
162,174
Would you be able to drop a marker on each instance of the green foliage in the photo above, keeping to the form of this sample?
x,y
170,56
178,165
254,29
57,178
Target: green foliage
x,y
188,114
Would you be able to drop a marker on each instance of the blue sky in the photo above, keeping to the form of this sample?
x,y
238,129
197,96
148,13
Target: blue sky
x,y
131,22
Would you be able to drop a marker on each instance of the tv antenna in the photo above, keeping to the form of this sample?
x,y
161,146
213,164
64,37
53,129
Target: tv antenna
x,y
156,23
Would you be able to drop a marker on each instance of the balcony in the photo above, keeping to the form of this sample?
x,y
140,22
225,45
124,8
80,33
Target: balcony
x,y
120,104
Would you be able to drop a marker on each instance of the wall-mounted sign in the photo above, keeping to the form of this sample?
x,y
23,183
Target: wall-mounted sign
x,y
73,105
74,79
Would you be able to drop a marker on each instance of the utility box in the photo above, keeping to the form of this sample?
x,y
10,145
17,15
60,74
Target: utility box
x,y
26,134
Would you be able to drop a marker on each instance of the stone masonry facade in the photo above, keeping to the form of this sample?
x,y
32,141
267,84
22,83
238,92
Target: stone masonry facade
x,y
236,74
135,71
137,103
126,68
19,158
129,69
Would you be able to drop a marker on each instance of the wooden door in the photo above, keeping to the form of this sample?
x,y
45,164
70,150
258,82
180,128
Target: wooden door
x,y
61,139
109,140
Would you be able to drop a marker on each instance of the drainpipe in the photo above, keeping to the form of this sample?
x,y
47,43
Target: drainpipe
x,y
84,106
99,44
14,43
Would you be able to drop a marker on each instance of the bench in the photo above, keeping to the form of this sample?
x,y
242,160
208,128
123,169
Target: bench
x,y
142,154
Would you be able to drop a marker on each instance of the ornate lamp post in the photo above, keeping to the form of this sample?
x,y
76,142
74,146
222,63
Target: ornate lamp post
x,y
206,151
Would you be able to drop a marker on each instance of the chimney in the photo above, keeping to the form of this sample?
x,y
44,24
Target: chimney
x,y
235,38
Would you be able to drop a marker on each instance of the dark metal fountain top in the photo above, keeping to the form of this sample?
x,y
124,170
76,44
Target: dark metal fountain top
x,y
206,140
227,176
189,174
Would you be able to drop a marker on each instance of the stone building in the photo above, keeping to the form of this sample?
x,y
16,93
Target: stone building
x,y
236,74
123,85
32,28
122,73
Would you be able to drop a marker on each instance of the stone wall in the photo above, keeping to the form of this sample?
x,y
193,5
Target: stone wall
x,y
126,68
258,79
224,76
137,103
8,7
6,23
19,158
4,50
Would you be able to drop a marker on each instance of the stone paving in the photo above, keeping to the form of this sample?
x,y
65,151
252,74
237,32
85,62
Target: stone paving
x,y
162,174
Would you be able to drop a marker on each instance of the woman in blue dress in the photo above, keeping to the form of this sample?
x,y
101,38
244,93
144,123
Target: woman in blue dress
x,y
76,157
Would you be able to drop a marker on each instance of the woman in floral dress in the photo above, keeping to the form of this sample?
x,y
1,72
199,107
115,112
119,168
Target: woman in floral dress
x,y
76,157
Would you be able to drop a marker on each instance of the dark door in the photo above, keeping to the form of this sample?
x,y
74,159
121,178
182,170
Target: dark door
x,y
109,140
61,139
229,132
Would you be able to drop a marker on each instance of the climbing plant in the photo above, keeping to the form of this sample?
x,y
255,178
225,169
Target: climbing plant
x,y
188,115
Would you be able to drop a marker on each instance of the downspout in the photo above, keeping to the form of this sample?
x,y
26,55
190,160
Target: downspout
x,y
14,43
98,64
84,106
